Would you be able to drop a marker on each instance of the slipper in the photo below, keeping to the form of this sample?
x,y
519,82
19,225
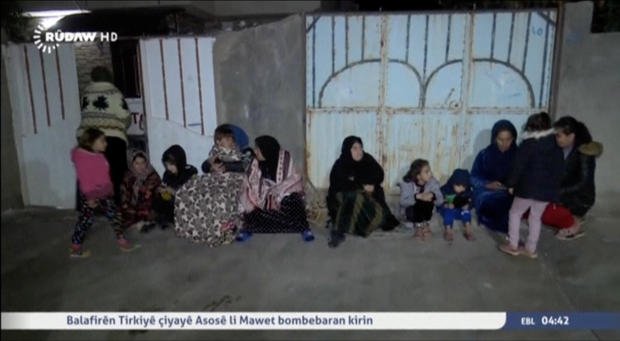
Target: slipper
x,y
506,248
572,236
335,239
243,236
307,235
469,236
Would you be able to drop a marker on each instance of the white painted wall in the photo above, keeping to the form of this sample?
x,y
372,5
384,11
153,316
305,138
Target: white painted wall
x,y
43,146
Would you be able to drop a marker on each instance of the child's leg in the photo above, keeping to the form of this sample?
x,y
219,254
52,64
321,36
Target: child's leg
x,y
448,215
112,213
536,211
465,216
85,221
519,206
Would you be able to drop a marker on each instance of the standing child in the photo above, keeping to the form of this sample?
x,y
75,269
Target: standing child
x,y
138,190
535,181
95,190
177,173
419,193
457,196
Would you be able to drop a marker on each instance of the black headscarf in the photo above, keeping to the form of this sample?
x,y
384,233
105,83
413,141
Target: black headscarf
x,y
270,148
365,171
176,155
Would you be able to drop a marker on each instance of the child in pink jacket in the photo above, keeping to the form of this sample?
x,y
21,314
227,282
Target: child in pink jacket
x,y
96,190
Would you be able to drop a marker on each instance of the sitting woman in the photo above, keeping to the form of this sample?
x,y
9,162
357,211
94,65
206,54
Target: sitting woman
x,y
138,190
356,201
489,174
272,197
177,173
206,206
577,190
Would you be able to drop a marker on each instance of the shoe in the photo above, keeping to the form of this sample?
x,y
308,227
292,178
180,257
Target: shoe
x,y
147,226
408,225
335,239
525,252
126,246
243,236
571,236
307,235
506,248
76,251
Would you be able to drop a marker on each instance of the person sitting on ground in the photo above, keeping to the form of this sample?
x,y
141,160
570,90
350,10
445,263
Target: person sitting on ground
x,y
577,189
457,196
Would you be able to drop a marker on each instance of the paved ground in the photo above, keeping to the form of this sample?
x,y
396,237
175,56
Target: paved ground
x,y
385,272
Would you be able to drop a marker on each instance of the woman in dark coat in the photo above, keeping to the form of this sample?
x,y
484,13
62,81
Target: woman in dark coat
x,y
356,201
577,190
489,174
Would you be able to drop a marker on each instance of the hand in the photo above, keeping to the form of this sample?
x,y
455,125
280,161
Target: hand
x,y
511,191
369,188
91,203
495,186
450,206
218,167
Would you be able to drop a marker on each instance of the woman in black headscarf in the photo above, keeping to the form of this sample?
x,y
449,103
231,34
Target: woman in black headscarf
x,y
489,175
356,201
271,197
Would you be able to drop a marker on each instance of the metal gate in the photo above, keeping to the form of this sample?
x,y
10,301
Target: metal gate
x,y
421,85
43,90
179,96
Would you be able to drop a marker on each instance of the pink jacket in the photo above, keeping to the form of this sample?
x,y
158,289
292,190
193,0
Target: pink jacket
x,y
93,173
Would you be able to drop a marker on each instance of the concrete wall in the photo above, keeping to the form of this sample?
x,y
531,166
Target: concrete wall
x,y
11,184
259,82
588,86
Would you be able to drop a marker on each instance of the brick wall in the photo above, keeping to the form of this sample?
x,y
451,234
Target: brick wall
x,y
89,55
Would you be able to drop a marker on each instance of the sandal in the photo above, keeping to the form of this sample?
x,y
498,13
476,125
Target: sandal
x,y
506,248
525,252
571,236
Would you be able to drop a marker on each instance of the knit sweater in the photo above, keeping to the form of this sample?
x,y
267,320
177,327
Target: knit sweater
x,y
93,173
104,108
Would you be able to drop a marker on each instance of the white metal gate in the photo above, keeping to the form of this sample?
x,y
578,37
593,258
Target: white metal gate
x,y
179,96
421,85
43,90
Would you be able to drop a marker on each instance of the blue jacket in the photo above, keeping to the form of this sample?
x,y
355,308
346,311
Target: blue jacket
x,y
493,165
538,168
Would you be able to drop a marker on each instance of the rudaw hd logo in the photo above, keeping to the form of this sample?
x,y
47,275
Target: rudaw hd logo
x,y
48,41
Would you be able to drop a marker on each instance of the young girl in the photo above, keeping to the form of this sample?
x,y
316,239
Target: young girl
x,y
419,193
96,190
457,201
177,173
138,190
535,181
